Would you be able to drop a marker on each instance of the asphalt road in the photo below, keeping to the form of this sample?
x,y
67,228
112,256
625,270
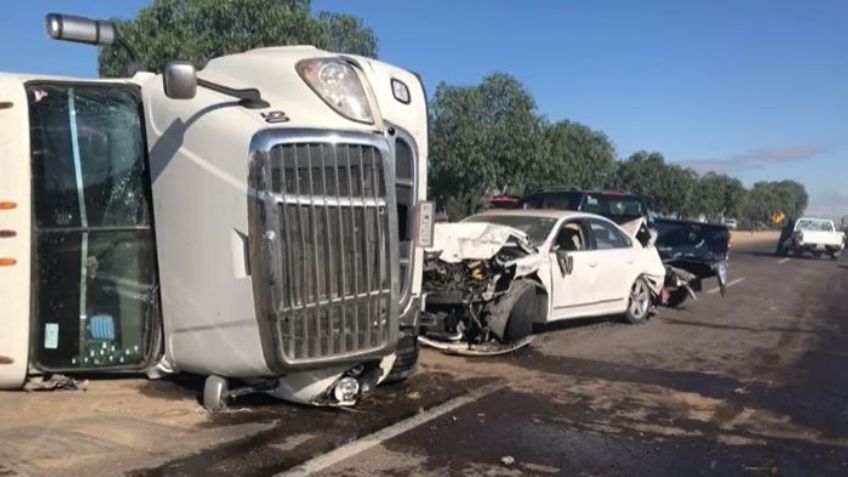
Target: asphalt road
x,y
755,383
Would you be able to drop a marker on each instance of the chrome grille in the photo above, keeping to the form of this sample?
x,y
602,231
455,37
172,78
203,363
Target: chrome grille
x,y
328,235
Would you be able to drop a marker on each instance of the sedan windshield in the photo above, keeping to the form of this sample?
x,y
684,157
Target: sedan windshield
x,y
537,228
814,225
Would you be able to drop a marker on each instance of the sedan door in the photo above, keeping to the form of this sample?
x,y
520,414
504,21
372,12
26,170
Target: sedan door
x,y
617,262
572,294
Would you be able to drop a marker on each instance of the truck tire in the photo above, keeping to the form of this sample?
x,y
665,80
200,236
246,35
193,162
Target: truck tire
x,y
406,360
639,302
214,393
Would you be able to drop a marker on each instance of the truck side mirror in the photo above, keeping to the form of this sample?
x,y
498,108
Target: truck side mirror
x,y
80,29
179,80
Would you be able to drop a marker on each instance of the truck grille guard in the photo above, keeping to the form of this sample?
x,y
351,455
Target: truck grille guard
x,y
324,247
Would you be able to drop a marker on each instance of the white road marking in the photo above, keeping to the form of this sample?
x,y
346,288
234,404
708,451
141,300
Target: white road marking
x,y
782,261
360,445
730,284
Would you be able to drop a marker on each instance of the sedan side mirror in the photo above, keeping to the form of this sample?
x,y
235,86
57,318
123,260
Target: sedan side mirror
x,y
179,80
565,262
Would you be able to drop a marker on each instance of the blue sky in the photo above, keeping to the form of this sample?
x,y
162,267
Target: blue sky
x,y
756,88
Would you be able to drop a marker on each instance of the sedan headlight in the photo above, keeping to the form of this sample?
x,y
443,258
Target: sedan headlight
x,y
338,84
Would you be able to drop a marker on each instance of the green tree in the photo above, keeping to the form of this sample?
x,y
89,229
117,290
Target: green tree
x,y
766,198
345,33
719,196
575,155
483,139
199,30
668,188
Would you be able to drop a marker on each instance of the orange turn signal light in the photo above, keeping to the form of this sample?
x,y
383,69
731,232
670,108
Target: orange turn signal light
x,y
7,262
8,205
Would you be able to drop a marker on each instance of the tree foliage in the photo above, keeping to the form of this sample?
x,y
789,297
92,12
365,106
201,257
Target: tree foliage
x,y
483,140
345,33
573,154
669,188
488,138
199,30
765,198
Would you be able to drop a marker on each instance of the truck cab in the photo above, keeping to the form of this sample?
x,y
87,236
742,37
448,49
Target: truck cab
x,y
260,219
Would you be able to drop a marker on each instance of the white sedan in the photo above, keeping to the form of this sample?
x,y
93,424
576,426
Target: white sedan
x,y
493,275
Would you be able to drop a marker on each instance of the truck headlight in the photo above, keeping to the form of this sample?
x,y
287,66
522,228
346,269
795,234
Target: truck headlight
x,y
338,84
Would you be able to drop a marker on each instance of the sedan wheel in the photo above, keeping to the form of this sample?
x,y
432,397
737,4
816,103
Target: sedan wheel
x,y
639,305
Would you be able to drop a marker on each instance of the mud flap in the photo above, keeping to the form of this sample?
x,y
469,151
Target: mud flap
x,y
722,273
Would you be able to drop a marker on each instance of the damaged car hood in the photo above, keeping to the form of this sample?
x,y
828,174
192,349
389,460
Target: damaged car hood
x,y
476,241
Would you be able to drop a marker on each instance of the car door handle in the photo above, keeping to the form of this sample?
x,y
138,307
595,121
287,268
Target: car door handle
x,y
631,261
592,264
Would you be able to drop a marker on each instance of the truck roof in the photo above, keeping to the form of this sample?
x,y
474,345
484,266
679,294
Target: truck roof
x,y
544,213
606,192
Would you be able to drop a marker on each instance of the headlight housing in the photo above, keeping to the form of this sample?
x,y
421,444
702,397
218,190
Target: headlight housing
x,y
336,82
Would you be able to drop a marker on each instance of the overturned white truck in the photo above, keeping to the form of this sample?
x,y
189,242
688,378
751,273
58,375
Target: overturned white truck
x,y
257,221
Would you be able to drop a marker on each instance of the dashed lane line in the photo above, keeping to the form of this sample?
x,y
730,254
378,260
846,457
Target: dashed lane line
x,y
362,444
782,261
730,284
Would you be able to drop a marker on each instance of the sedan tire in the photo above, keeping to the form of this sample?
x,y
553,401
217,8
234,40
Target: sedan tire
x,y
639,302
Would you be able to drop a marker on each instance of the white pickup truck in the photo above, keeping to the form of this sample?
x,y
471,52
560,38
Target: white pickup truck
x,y
816,236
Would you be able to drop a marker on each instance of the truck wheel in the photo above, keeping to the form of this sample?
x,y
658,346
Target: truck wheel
x,y
214,393
406,360
639,304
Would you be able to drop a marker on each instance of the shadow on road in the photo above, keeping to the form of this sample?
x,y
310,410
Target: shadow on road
x,y
761,253
718,326
757,253
575,323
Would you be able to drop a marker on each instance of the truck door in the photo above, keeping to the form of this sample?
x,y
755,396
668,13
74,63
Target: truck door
x,y
94,275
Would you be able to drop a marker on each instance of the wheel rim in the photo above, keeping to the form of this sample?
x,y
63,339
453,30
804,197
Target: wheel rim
x,y
640,299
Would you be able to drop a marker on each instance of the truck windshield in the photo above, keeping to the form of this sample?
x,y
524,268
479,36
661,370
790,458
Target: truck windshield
x,y
95,288
614,205
814,225
554,200
537,228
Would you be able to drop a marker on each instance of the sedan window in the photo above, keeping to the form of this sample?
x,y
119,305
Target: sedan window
x,y
571,238
608,237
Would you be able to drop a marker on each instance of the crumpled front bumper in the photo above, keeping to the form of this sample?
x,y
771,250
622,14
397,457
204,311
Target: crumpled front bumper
x,y
317,387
